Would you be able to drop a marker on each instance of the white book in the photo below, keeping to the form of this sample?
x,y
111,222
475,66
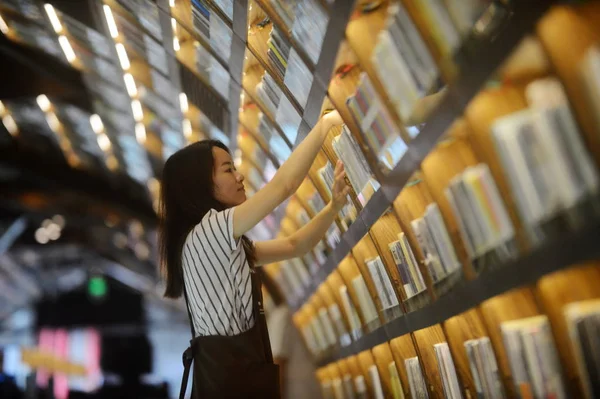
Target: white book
x,y
338,389
338,321
365,302
348,387
480,212
432,258
416,381
447,370
470,230
376,381
349,308
361,386
553,116
319,334
441,238
327,327
382,282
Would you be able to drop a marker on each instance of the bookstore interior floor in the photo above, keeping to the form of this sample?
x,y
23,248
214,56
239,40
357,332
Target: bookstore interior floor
x,y
465,264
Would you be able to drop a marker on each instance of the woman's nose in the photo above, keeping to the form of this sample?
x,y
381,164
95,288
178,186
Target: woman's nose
x,y
240,177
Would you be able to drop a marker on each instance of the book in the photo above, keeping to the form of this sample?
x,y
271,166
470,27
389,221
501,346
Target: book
x,y
365,302
309,26
407,265
327,324
376,381
350,310
338,389
361,387
355,164
484,368
348,387
416,381
425,239
397,391
382,282
338,322
447,371
533,358
583,323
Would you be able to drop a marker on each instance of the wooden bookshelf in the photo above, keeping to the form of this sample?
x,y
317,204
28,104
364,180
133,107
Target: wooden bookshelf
x,y
382,355
403,348
425,339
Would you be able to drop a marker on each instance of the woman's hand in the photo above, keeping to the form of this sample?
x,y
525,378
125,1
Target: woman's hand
x,y
340,190
332,119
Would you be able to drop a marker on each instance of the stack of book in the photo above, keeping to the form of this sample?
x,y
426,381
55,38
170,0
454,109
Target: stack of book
x,y
269,92
533,358
583,322
416,381
544,157
309,26
278,51
376,124
407,265
356,166
447,371
403,62
483,221
433,238
298,78
484,369
212,28
383,284
212,70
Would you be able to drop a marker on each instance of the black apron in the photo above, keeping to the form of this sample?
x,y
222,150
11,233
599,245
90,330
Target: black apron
x,y
238,366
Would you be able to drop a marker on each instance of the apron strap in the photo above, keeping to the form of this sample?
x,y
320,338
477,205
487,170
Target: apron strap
x,y
188,357
259,314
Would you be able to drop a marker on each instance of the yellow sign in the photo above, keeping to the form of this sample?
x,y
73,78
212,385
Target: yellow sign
x,y
36,359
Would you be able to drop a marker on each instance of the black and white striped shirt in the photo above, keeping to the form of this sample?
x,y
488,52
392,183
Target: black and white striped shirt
x,y
217,277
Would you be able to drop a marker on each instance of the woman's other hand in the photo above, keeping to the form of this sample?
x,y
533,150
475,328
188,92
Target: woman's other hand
x,y
340,190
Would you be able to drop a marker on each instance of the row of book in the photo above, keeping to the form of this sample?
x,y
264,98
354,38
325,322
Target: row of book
x,y
212,70
212,28
375,123
547,165
348,213
535,368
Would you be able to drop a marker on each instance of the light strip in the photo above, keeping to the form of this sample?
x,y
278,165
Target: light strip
x,y
110,20
3,26
66,48
140,132
2,108
183,102
176,45
103,142
56,25
96,122
138,112
10,124
130,85
43,102
187,128
52,121
123,59
174,25
171,3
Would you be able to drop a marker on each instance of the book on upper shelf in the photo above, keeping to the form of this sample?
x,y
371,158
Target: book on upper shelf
x,y
383,285
583,323
533,358
308,27
356,166
548,166
212,28
376,382
484,224
408,268
376,124
348,213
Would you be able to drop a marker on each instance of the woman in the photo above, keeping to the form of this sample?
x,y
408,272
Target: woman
x,y
206,256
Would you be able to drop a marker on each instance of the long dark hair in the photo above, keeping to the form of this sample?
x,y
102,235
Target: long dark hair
x,y
186,195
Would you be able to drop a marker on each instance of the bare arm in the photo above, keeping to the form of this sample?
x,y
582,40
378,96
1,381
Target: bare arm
x,y
310,234
287,179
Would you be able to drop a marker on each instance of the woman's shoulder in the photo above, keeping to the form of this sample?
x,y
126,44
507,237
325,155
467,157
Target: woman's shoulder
x,y
215,225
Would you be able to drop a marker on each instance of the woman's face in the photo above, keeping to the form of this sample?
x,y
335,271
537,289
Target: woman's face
x,y
229,183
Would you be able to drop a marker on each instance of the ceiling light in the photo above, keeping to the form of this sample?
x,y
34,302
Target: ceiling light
x,y
56,25
174,25
123,59
66,48
52,121
140,132
136,108
2,108
183,103
59,220
103,142
3,26
10,124
96,122
172,3
176,45
130,85
187,128
41,236
110,20
112,163
43,102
